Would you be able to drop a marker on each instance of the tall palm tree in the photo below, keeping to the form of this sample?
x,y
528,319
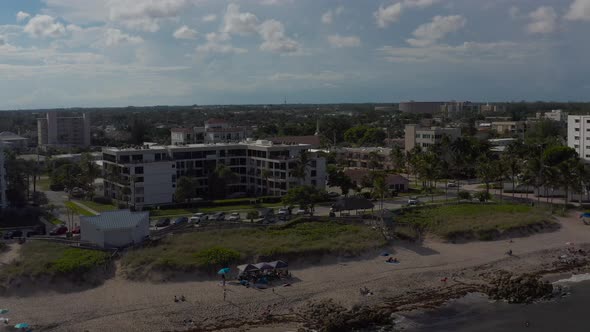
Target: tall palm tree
x,y
374,161
380,189
397,158
266,174
300,170
226,175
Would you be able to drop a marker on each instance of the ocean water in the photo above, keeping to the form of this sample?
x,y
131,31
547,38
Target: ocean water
x,y
474,313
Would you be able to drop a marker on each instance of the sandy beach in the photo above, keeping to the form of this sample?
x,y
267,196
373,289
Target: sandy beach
x,y
123,305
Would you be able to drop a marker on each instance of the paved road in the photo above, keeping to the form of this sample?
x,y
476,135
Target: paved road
x,y
58,198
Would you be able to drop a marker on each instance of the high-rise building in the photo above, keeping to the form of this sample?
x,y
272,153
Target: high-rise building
x,y
64,131
148,176
3,201
578,134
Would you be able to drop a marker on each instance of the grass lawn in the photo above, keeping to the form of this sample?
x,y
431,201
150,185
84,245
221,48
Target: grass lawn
x,y
43,183
77,209
99,207
215,248
39,258
482,221
187,212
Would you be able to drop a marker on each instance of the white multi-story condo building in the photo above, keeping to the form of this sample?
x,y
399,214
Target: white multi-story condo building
x,y
425,137
66,131
214,131
147,176
3,201
578,135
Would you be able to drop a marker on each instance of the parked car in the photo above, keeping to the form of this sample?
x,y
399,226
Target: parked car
x,y
301,212
218,216
198,217
76,230
452,185
234,217
333,194
284,211
413,201
180,220
163,222
59,230
12,234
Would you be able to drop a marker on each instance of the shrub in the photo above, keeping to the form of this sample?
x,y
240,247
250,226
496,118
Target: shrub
x,y
483,196
217,256
464,195
252,215
79,261
102,200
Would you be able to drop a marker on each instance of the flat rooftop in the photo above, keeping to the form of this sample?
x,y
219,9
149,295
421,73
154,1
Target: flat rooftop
x,y
243,144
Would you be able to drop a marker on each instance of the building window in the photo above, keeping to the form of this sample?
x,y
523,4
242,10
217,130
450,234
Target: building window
x,y
576,137
139,170
138,199
577,129
314,173
577,120
576,146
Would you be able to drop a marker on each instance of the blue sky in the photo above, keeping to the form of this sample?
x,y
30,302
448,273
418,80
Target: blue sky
x,y
69,53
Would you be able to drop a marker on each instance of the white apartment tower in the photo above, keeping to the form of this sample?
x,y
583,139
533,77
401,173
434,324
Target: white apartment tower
x,y
578,134
64,131
147,176
3,201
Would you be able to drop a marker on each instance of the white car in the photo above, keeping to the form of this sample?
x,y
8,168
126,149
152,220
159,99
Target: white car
x,y
234,217
301,212
413,201
198,217
452,185
283,211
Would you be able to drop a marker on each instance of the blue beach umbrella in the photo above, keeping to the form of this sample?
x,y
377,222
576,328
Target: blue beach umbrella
x,y
21,326
3,311
225,270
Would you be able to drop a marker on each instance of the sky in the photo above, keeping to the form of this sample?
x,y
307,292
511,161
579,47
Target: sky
x,y
85,53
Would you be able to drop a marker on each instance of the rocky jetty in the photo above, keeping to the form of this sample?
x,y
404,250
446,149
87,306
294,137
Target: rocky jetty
x,y
524,288
329,316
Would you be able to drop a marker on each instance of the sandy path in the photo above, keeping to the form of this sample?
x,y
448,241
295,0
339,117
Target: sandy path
x,y
122,305
12,253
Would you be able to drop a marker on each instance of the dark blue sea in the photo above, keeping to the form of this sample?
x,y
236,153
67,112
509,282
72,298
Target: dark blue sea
x,y
475,313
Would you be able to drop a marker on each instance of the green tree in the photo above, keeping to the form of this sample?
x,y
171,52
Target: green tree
x,y
380,189
306,197
222,177
185,189
265,174
397,158
374,161
300,170
337,178
487,171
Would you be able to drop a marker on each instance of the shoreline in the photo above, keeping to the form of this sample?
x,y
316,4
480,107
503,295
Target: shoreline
x,y
414,284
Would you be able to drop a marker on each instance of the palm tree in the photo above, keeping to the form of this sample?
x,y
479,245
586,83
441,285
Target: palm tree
x,y
266,174
397,158
486,171
374,161
380,189
300,169
226,175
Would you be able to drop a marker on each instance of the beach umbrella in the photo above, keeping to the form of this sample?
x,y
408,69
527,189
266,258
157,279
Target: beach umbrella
x,y
3,311
278,264
247,268
264,266
21,326
225,270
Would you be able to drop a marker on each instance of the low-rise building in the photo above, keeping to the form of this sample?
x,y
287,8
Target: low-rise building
x,y
13,141
458,109
554,115
362,157
147,176
115,229
393,181
425,137
214,131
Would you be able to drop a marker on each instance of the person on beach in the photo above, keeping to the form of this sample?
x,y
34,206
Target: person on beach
x,y
224,294
509,253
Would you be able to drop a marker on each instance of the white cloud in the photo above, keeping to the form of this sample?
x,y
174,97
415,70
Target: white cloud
x,y
514,12
209,18
543,20
212,47
344,41
321,76
579,11
328,17
217,37
184,32
237,23
115,37
44,26
429,33
145,14
274,39
384,16
21,16
274,2
501,52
